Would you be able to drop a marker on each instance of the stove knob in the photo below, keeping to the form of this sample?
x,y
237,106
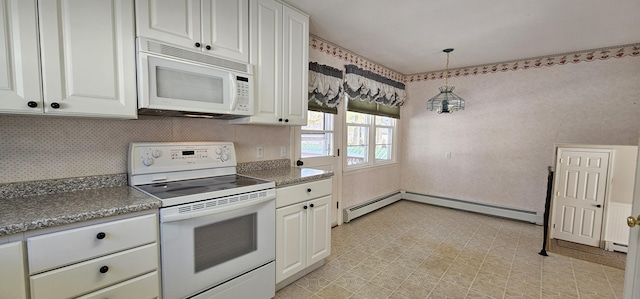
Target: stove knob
x,y
156,153
218,150
224,157
147,161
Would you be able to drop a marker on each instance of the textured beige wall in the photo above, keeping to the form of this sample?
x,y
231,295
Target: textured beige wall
x,y
39,148
503,142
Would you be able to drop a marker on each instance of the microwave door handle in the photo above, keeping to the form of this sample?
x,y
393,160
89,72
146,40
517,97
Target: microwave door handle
x,y
234,92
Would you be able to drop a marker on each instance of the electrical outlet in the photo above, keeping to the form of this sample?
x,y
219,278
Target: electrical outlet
x,y
259,152
283,151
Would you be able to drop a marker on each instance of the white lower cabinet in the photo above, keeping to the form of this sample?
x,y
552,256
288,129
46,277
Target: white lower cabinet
x,y
303,229
12,271
116,259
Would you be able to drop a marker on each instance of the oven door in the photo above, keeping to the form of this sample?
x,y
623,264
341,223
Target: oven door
x,y
201,252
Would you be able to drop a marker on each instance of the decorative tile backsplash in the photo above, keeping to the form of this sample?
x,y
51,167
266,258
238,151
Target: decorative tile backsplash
x,y
42,148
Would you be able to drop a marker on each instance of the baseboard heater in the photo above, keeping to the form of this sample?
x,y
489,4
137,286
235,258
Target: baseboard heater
x,y
612,246
370,206
505,212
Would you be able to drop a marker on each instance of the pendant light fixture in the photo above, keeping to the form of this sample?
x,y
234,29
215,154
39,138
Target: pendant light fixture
x,y
446,101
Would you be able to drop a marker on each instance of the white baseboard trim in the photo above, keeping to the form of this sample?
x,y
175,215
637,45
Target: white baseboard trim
x,y
505,212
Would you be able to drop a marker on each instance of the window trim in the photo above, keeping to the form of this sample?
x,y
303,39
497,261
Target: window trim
x,y
372,162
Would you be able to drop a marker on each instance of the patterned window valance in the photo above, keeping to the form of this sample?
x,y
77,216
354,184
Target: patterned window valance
x,y
372,93
325,88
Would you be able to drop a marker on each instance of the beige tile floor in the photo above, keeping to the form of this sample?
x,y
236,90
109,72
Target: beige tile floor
x,y
413,250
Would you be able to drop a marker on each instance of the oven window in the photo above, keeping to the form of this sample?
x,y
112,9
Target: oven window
x,y
222,241
174,84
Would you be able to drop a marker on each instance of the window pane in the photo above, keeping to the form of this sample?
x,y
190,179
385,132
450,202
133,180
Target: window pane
x,y
315,144
384,144
315,121
358,118
385,121
357,145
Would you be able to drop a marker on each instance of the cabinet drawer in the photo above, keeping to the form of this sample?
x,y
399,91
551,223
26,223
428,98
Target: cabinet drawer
x,y
142,287
59,249
299,193
86,276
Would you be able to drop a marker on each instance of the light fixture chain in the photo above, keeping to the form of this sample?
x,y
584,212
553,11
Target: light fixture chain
x,y
446,72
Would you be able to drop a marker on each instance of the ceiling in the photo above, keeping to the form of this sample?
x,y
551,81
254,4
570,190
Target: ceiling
x,y
408,36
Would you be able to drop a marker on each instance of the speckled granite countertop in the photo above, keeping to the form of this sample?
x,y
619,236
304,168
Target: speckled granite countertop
x,y
28,206
28,212
288,175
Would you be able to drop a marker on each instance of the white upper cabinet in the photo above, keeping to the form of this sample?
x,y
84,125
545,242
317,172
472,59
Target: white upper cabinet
x,y
280,55
217,27
20,85
85,65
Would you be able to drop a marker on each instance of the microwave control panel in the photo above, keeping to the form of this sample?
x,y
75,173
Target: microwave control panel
x,y
243,94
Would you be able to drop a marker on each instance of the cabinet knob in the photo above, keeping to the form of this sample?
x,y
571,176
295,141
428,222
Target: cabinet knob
x,y
279,119
305,207
55,105
286,120
208,47
308,189
101,235
32,104
198,45
311,205
104,269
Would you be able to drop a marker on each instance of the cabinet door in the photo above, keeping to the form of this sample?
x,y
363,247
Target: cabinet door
x,y
266,56
88,57
225,27
291,230
19,58
12,271
318,229
295,66
170,21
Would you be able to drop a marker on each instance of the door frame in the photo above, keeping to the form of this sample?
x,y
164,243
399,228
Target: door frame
x,y
605,209
632,269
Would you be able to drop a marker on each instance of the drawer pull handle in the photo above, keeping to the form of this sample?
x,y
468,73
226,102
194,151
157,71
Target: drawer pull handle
x,y
311,205
309,190
104,269
101,235
305,207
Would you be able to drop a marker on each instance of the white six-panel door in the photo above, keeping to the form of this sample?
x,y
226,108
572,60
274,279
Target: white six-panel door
x,y
580,189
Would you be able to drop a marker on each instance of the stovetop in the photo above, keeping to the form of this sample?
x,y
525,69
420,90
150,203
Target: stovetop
x,y
209,185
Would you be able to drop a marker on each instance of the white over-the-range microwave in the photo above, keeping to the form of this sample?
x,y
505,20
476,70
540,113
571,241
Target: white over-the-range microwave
x,y
178,82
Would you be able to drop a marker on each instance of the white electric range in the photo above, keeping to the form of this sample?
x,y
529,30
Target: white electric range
x,y
217,228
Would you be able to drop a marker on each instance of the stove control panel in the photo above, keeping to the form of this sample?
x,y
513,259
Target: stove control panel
x,y
183,156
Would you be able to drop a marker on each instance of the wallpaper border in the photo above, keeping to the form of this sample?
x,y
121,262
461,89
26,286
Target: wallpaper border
x,y
632,50
317,43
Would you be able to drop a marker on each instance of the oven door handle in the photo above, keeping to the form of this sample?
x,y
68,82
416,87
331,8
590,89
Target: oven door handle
x,y
172,214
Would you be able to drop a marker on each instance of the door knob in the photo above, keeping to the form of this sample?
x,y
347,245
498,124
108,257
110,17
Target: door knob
x,y
631,222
